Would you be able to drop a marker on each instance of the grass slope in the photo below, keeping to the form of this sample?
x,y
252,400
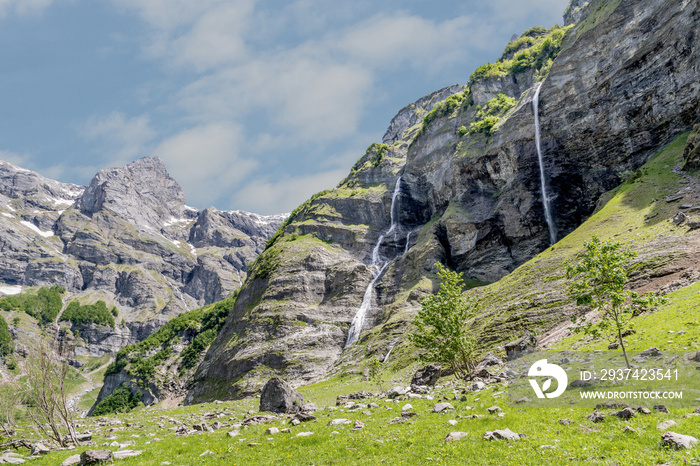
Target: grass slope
x,y
421,439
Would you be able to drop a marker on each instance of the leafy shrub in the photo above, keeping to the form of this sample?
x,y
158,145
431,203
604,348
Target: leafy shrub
x,y
490,114
121,400
96,313
462,131
43,306
446,328
5,338
533,50
443,109
206,321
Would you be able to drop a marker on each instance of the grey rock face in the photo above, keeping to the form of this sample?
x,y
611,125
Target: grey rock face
x,y
512,85
142,193
624,85
413,114
129,239
575,11
279,397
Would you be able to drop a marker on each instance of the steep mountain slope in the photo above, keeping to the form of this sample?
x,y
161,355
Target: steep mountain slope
x,y
463,188
127,238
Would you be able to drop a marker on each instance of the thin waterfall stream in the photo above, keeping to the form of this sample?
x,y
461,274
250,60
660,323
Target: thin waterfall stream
x,y
545,198
378,267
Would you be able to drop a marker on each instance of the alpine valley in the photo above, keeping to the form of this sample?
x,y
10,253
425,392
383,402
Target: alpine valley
x,y
587,129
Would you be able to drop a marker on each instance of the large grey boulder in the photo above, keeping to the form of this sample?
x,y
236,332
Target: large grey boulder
x,y
678,441
96,457
279,397
427,375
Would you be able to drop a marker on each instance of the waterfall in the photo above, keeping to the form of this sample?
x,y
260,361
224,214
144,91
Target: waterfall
x,y
408,242
386,358
545,198
378,267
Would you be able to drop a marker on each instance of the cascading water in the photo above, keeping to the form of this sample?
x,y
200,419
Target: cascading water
x,y
545,199
378,268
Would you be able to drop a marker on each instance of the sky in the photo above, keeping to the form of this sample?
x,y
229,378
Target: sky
x,y
252,104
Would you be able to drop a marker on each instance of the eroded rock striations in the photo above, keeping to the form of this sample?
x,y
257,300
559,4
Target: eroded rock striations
x,y
624,84
127,238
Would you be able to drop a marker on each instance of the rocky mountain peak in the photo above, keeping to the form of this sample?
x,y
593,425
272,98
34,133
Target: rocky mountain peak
x,y
143,193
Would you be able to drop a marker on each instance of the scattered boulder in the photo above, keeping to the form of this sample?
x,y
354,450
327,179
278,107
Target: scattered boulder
x,y
304,417
123,454
626,414
440,407
476,386
596,416
526,344
202,427
40,448
398,391
71,460
494,409
260,419
651,352
96,457
679,218
427,375
665,425
453,436
309,407
678,441
340,422
233,433
272,431
358,425
505,434
480,373
407,407
629,429
489,360
661,409
279,397
565,422
304,434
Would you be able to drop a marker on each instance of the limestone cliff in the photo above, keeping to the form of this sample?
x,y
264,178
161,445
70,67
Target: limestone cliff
x,y
127,238
623,84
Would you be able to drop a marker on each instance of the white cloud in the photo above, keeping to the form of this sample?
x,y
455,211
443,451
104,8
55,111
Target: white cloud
x,y
23,7
202,35
19,160
121,138
206,160
266,196
389,40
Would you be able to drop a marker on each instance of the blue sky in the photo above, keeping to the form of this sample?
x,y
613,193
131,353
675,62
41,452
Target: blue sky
x,y
252,104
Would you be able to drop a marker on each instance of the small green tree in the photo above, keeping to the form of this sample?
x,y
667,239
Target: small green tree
x,y
599,281
6,346
445,327
375,373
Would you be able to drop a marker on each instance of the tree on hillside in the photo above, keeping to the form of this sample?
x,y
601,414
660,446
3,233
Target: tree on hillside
x,y
599,280
5,338
445,326
44,389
